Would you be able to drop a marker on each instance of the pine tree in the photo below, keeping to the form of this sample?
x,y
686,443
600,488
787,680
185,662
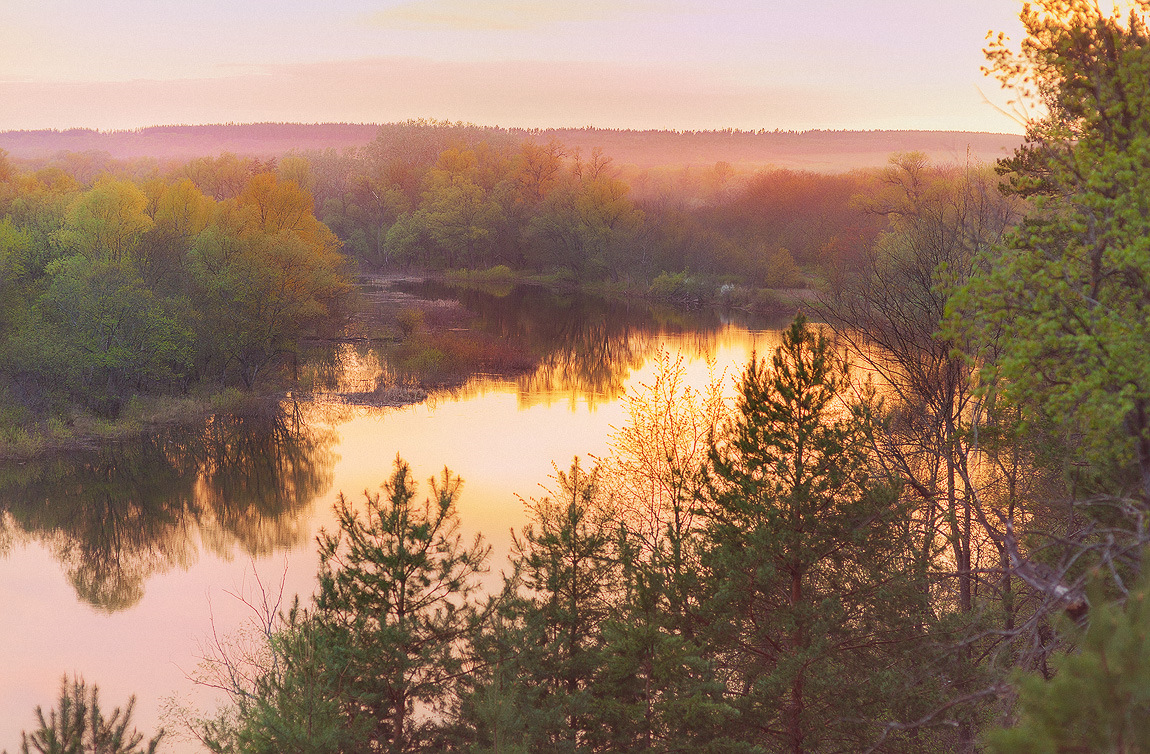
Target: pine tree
x,y
78,726
658,690
567,562
1099,698
804,554
394,606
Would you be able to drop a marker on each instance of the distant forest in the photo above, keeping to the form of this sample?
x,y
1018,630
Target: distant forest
x,y
810,150
122,277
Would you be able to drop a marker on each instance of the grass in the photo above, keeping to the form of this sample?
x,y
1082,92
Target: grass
x,y
27,436
498,280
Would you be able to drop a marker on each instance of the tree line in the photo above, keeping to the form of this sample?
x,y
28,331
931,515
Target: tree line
x,y
439,196
123,280
130,287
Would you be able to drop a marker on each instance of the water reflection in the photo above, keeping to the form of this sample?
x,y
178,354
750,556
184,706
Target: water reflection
x,y
257,472
243,483
586,347
116,516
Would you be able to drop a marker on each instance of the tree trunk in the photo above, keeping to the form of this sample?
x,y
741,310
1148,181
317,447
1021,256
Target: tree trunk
x,y
795,708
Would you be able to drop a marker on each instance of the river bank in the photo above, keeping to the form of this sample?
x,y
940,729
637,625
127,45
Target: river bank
x,y
409,337
676,289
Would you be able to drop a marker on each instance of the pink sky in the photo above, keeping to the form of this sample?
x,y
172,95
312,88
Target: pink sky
x,y
683,64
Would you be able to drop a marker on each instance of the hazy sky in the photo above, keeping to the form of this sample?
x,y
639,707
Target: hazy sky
x,y
683,64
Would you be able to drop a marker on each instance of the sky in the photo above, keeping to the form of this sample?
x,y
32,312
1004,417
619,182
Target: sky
x,y
676,64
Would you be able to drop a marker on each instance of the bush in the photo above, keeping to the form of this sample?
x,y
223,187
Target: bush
x,y
679,286
410,321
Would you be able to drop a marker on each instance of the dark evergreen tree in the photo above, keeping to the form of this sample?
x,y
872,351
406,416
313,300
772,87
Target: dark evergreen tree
x,y
568,567
805,556
659,690
77,725
393,608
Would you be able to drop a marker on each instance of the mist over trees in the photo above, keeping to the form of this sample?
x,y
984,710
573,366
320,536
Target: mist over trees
x,y
435,195
918,527
823,151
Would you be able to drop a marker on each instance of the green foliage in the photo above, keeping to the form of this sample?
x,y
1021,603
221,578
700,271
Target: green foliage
x,y
410,321
679,286
128,289
375,663
567,563
587,223
107,222
77,725
460,217
293,704
404,240
782,272
15,247
1069,285
99,333
260,291
1099,697
393,606
805,554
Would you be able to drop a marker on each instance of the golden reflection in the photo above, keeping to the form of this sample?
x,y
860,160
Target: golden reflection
x,y
246,482
585,349
593,367
649,473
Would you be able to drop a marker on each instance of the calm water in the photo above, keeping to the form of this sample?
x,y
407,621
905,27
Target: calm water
x,y
119,565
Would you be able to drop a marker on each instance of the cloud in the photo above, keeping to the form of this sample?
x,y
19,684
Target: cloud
x,y
509,15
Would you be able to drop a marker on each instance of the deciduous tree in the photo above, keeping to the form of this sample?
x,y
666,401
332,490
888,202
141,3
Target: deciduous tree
x,y
1070,284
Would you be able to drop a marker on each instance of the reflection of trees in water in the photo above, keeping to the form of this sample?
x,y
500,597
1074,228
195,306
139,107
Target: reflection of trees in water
x,y
5,533
592,366
116,516
256,469
111,517
339,367
586,346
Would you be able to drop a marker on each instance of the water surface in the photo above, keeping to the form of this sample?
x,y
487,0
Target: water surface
x,y
121,564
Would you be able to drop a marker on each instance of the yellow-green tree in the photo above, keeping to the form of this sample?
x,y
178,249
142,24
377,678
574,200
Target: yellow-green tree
x,y
260,292
107,221
1070,285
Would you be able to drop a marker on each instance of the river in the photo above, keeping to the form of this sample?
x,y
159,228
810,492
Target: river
x,y
122,564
